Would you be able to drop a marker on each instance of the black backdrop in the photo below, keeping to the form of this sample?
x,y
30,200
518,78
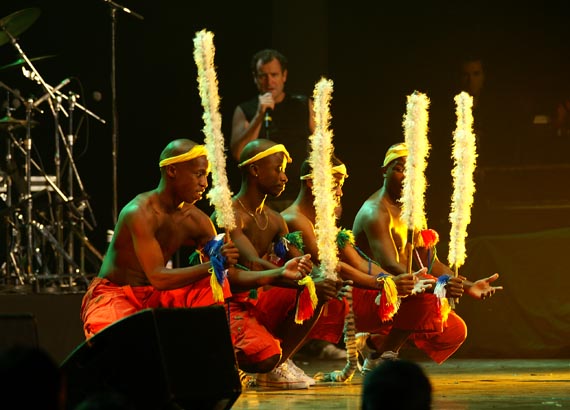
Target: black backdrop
x,y
375,54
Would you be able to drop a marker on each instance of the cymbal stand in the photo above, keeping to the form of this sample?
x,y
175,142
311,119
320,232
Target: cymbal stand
x,y
28,195
12,232
28,264
24,57
76,212
57,161
40,228
69,147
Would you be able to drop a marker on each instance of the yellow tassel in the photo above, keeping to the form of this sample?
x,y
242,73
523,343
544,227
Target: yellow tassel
x,y
217,290
310,284
445,308
390,291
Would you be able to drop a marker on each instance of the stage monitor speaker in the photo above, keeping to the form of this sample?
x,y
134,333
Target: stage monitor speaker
x,y
159,359
18,329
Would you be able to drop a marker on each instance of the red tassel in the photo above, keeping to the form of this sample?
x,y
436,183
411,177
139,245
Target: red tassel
x,y
429,237
305,308
386,311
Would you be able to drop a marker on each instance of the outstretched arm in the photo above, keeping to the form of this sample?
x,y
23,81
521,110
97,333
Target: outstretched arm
x,y
294,269
364,272
482,288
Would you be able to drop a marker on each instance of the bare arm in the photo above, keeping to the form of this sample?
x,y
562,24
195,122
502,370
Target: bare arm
x,y
294,269
244,131
363,272
149,254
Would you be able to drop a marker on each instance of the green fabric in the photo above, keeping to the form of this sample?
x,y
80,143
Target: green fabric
x,y
343,237
296,239
194,259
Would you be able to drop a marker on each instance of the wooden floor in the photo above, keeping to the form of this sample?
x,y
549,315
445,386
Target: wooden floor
x,y
458,384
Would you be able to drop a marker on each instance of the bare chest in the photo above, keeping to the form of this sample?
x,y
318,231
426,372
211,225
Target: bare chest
x,y
176,232
261,236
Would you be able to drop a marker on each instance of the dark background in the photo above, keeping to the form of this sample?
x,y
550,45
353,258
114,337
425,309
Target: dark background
x,y
375,54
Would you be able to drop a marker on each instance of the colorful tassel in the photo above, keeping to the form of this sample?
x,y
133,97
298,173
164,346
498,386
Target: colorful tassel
x,y
296,239
344,237
427,238
280,248
307,300
217,271
217,290
387,300
441,292
195,258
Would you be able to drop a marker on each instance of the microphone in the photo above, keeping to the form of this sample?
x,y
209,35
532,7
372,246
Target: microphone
x,y
46,95
267,118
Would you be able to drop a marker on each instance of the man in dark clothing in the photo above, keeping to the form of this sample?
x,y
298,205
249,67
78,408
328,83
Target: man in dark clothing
x,y
273,114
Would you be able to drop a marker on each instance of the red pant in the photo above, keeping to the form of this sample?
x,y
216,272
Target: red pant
x,y
418,314
106,302
249,336
330,325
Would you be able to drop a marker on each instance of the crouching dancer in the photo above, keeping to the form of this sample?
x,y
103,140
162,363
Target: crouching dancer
x,y
150,229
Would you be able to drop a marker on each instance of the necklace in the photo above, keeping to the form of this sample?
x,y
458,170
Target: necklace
x,y
254,217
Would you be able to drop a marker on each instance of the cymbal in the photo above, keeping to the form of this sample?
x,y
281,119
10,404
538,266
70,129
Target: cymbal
x,y
20,62
16,23
9,122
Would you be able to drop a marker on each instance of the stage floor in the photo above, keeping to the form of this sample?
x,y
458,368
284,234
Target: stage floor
x,y
458,384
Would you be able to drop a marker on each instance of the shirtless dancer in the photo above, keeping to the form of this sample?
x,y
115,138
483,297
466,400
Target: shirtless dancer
x,y
353,266
150,229
262,322
381,233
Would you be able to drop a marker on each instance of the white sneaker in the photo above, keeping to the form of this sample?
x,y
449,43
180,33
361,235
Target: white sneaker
x,y
331,352
281,378
300,373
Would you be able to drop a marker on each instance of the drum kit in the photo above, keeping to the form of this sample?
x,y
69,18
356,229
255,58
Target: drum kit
x,y
45,251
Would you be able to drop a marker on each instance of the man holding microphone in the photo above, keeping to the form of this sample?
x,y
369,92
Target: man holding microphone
x,y
276,115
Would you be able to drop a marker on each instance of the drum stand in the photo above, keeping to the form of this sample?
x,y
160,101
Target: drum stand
x,y
73,208
27,272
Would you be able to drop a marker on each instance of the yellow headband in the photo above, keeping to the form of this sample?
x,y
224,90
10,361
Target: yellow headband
x,y
394,152
338,169
269,151
195,152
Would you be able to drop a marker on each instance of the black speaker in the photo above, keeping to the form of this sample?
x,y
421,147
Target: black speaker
x,y
159,359
18,329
